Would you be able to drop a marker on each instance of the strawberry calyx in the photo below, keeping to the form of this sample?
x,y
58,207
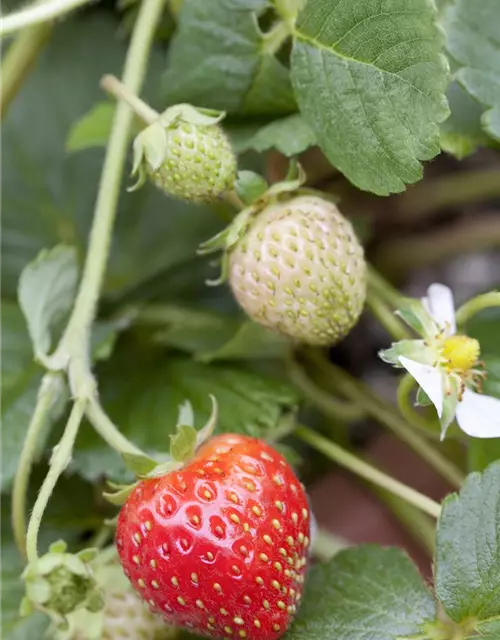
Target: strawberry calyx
x,y
254,191
59,583
184,444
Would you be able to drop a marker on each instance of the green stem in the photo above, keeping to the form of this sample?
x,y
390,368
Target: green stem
x,y
49,393
18,61
329,405
378,284
386,317
405,387
367,472
273,40
73,350
37,13
119,91
107,430
387,416
477,304
60,460
77,334
326,545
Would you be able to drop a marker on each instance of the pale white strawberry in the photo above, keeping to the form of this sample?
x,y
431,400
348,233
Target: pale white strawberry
x,y
300,271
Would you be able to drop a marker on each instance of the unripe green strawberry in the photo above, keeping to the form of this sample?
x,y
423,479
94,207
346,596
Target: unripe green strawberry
x,y
299,270
193,162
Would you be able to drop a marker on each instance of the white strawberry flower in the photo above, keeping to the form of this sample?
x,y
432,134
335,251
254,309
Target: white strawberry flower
x,y
445,365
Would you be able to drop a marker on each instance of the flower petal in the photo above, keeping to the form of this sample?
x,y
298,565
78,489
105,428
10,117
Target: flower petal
x,y
450,401
439,303
479,415
429,378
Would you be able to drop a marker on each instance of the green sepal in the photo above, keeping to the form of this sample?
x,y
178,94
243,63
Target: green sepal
x,y
209,427
186,440
119,497
294,179
417,317
183,443
150,147
413,349
139,464
422,399
250,186
193,115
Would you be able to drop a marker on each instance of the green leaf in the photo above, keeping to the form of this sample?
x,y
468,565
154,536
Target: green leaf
x,y
47,289
461,133
93,129
472,40
142,394
290,136
370,80
482,452
48,197
484,327
364,593
218,58
467,568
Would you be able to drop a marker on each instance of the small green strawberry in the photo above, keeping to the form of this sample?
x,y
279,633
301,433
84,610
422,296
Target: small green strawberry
x,y
186,153
183,150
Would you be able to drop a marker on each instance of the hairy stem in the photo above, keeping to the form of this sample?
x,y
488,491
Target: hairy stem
x,y
107,430
387,416
60,459
48,394
37,13
18,61
73,351
367,472
477,304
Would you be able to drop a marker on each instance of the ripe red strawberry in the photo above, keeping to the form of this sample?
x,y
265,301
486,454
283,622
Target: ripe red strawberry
x,y
220,547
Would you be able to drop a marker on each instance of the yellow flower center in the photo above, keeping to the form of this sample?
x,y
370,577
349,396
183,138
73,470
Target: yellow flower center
x,y
460,352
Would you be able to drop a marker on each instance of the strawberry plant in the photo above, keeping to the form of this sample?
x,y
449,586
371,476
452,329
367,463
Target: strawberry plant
x,y
250,356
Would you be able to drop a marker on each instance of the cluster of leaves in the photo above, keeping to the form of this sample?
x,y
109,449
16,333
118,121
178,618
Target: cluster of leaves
x,y
368,84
